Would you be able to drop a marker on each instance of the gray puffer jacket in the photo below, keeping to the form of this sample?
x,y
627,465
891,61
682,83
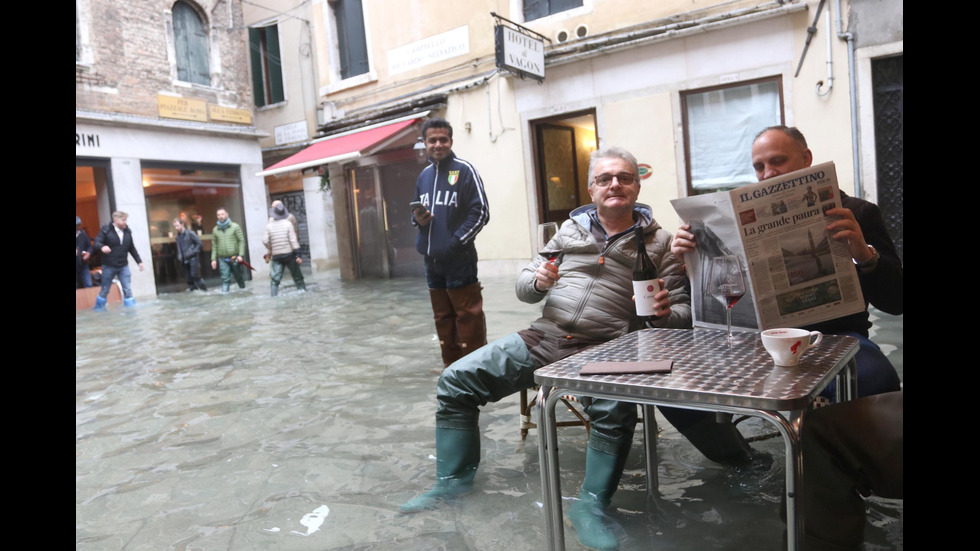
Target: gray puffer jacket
x,y
593,299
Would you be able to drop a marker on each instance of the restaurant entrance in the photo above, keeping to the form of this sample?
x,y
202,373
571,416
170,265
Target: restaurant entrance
x,y
194,194
562,148
383,234
92,205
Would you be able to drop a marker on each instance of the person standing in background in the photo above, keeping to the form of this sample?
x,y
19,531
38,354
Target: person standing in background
x,y
454,209
227,249
188,249
83,251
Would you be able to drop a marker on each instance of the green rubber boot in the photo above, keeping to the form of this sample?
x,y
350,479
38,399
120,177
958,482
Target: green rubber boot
x,y
594,528
457,457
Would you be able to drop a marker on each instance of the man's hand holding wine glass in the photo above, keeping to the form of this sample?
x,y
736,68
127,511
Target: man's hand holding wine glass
x,y
546,276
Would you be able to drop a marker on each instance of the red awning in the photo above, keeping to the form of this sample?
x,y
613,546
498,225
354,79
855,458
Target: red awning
x,y
338,148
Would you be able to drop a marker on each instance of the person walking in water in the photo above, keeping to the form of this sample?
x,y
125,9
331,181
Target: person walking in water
x,y
283,247
115,240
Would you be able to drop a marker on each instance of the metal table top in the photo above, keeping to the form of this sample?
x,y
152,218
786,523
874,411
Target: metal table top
x,y
706,371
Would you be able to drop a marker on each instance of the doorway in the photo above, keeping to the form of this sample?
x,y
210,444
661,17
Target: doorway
x,y
93,205
562,149
888,91
381,226
370,245
398,190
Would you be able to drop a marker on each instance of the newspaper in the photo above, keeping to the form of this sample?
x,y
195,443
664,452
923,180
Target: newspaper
x,y
796,274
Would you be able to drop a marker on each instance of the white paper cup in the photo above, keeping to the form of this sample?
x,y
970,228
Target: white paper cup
x,y
786,345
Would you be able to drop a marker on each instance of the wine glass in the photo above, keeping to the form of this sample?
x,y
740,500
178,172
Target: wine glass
x,y
547,232
727,284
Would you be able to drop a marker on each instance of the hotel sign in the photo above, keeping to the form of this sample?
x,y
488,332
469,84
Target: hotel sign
x,y
519,53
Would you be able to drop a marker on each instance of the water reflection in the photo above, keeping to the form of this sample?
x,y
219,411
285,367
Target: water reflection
x,y
241,421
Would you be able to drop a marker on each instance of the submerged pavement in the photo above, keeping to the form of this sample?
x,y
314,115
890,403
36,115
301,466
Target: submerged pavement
x,y
206,421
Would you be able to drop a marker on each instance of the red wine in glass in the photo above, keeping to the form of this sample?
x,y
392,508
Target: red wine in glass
x,y
550,256
727,284
547,232
730,299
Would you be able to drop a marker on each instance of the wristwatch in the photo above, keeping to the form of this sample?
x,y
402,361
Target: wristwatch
x,y
869,264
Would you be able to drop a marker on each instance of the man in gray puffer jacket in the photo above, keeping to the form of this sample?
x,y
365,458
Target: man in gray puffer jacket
x,y
589,301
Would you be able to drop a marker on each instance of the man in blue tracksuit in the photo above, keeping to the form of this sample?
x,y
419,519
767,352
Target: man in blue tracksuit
x,y
454,210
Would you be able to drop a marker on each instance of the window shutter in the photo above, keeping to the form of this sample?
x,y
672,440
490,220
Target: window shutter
x,y
190,45
351,39
255,53
274,64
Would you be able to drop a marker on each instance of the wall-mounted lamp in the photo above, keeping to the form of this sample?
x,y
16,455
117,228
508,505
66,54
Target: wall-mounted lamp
x,y
419,149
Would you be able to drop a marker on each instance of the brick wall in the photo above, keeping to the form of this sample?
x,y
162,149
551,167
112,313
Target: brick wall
x,y
129,58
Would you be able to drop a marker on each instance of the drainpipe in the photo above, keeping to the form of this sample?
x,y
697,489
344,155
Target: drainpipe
x,y
830,61
855,147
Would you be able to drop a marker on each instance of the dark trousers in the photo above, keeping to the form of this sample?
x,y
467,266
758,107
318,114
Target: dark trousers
x,y
850,450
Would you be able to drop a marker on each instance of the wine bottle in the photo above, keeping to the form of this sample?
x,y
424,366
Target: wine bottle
x,y
646,281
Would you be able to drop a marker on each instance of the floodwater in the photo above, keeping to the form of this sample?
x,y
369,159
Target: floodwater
x,y
208,422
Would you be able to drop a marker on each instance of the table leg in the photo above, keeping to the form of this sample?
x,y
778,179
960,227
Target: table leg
x,y
850,371
794,473
550,472
650,443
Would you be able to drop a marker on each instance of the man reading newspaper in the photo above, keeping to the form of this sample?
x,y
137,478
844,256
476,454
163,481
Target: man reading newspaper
x,y
779,150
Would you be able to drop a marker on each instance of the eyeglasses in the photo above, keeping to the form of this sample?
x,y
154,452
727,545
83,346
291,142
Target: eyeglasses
x,y
624,178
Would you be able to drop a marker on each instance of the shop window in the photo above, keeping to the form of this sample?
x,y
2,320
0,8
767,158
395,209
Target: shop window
x,y
193,194
266,65
191,45
720,124
536,9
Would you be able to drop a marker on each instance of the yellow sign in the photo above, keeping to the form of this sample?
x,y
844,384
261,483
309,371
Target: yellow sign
x,y
228,114
182,108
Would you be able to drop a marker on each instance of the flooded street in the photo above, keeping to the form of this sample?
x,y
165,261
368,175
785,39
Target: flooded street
x,y
210,422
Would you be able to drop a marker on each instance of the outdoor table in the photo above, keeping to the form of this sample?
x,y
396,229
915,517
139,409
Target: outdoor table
x,y
707,374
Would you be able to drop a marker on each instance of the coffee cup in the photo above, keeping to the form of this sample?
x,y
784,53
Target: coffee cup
x,y
786,345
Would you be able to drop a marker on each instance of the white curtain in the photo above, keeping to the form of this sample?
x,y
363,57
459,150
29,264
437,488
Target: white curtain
x,y
721,126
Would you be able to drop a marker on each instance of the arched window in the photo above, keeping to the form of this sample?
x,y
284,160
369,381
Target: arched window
x,y
191,45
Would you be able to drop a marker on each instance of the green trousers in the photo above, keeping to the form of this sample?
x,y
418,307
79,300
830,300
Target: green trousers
x,y
506,366
231,270
276,270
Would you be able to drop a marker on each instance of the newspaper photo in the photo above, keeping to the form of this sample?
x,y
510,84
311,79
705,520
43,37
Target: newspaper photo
x,y
795,273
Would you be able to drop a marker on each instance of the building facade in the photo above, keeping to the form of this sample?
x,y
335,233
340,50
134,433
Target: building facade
x,y
164,128
283,69
683,85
